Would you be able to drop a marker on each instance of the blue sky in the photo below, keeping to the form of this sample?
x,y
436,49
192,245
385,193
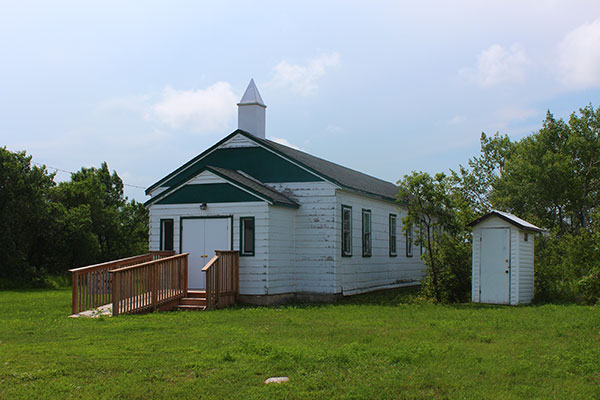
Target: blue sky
x,y
381,87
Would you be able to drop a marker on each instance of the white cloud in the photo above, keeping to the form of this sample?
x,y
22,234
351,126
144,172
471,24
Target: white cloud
x,y
579,56
135,104
508,114
302,79
497,65
331,128
199,110
284,142
457,119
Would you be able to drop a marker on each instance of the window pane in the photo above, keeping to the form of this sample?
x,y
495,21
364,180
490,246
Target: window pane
x,y
347,231
248,236
409,238
366,232
166,242
392,234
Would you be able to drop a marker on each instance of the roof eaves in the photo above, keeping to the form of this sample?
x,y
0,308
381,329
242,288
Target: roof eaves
x,y
500,215
192,161
328,177
231,180
176,187
371,195
219,171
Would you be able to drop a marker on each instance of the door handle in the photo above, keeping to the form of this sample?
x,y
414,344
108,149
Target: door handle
x,y
506,271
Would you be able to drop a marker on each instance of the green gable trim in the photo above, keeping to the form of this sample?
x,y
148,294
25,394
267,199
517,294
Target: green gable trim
x,y
255,161
208,193
289,173
278,199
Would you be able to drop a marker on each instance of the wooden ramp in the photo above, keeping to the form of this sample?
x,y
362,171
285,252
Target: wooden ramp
x,y
153,282
195,301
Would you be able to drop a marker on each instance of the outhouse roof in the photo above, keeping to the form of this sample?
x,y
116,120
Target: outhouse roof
x,y
510,218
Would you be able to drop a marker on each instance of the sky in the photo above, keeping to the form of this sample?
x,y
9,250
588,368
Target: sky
x,y
383,87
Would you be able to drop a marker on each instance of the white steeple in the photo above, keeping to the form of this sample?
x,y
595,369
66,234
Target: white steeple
x,y
252,112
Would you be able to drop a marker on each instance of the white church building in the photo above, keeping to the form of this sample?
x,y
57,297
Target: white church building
x,y
304,227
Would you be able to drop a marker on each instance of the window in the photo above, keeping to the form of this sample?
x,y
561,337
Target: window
x,y
421,234
525,237
346,231
246,236
166,234
366,233
392,239
409,241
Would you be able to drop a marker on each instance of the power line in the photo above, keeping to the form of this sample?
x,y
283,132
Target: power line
x,y
71,172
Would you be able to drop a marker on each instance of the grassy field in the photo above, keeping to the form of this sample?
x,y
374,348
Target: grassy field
x,y
373,346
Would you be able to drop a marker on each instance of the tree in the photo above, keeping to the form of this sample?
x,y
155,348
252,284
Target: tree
x,y
99,222
49,228
26,226
553,176
134,228
440,213
477,182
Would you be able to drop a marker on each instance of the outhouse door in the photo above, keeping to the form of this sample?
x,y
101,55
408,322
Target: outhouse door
x,y
495,266
201,237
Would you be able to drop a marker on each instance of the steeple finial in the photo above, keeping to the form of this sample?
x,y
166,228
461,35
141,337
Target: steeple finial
x,y
251,95
252,111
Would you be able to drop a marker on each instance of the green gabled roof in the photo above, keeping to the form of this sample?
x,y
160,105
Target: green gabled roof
x,y
248,183
344,177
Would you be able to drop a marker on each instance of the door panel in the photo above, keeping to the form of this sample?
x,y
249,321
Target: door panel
x,y
201,237
495,261
217,236
192,241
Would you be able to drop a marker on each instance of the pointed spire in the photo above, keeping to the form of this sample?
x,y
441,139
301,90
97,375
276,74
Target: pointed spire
x,y
251,112
251,95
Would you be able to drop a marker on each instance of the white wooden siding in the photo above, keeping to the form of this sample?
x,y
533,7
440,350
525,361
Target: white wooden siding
x,y
514,265
253,269
315,235
526,267
476,261
282,253
357,273
205,177
238,141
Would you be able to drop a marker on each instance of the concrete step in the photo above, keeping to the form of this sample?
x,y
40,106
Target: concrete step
x,y
193,301
187,307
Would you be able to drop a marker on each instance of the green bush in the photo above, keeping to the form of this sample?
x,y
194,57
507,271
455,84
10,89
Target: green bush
x,y
453,258
567,267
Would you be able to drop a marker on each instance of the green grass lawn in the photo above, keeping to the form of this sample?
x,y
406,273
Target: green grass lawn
x,y
373,346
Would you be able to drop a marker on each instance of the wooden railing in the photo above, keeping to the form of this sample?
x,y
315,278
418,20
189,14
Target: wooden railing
x,y
145,287
222,279
92,285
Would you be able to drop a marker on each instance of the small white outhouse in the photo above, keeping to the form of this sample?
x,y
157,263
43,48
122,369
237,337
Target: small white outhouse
x,y
502,259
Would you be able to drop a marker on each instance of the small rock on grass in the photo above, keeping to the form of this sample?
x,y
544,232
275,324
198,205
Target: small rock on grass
x,y
277,379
